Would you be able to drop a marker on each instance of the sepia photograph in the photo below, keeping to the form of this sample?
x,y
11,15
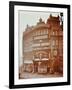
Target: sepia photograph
x,y
40,44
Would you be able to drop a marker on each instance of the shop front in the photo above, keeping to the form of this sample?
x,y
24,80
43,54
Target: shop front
x,y
28,66
40,66
40,62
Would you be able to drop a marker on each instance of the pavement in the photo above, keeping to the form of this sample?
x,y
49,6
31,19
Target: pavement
x,y
27,75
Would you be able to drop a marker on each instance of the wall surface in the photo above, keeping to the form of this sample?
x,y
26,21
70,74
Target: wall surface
x,y
4,43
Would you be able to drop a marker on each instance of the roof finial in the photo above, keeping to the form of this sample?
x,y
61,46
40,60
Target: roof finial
x,y
40,20
27,25
50,15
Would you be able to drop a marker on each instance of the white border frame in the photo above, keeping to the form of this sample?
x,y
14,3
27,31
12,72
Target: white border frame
x,y
18,81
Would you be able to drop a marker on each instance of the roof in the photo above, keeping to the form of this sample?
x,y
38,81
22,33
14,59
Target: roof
x,y
41,24
38,26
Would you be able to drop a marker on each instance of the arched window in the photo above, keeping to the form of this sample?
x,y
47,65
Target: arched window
x,y
38,32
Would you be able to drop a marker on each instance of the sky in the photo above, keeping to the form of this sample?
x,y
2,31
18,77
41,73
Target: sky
x,y
31,18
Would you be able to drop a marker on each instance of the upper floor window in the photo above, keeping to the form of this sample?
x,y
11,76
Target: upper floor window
x,y
56,33
56,42
41,37
38,32
41,32
55,52
47,31
53,43
53,33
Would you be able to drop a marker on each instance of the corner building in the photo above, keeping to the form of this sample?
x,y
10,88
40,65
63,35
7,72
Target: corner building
x,y
42,45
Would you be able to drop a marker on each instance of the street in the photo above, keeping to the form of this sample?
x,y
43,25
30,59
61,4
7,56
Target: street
x,y
27,75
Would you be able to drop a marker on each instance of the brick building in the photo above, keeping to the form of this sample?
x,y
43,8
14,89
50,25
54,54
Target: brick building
x,y
43,46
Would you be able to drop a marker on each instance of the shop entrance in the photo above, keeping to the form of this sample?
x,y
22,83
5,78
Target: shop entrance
x,y
41,61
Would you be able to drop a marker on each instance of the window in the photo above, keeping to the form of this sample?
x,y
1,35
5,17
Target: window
x,y
39,32
53,43
55,52
47,31
56,33
56,42
53,33
36,33
41,37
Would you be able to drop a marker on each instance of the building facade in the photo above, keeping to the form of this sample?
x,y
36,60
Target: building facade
x,y
43,46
